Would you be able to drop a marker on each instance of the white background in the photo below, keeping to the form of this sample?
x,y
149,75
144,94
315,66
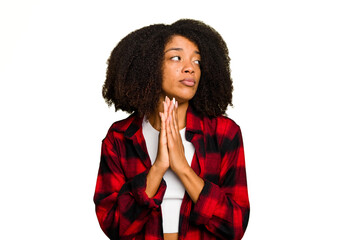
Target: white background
x,y
295,66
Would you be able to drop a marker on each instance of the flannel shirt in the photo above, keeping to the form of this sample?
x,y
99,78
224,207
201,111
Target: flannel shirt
x,y
125,211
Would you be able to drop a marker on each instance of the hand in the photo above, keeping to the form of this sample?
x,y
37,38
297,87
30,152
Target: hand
x,y
176,152
171,154
162,157
162,163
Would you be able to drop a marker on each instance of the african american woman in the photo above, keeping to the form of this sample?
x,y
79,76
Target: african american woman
x,y
175,168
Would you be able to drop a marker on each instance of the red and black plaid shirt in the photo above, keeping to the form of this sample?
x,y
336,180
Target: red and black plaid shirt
x,y
125,211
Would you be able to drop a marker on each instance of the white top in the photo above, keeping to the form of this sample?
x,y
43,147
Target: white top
x,y
175,189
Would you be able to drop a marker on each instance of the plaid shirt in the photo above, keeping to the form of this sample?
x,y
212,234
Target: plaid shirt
x,y
125,211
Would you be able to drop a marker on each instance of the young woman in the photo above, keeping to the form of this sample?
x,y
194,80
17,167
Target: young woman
x,y
175,168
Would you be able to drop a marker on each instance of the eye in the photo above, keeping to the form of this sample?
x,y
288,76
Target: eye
x,y
197,62
175,58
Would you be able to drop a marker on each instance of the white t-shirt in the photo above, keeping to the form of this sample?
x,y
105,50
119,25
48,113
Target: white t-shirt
x,y
175,189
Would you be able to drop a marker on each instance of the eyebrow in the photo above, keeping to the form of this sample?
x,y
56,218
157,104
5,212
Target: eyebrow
x,y
179,49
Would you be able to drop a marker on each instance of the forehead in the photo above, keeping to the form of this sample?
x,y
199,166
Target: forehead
x,y
178,41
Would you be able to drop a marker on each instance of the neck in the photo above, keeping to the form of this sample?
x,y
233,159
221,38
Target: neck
x,y
155,121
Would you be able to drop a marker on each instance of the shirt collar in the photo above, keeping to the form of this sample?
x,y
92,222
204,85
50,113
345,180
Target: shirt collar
x,y
135,125
194,122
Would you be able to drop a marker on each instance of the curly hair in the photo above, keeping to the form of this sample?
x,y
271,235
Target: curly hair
x,y
134,74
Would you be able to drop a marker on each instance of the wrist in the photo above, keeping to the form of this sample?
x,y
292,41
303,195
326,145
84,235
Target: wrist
x,y
159,168
182,170
153,180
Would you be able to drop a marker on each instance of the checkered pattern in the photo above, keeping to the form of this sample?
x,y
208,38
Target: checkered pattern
x,y
125,211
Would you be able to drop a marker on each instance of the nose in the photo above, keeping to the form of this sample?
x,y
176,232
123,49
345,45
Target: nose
x,y
188,67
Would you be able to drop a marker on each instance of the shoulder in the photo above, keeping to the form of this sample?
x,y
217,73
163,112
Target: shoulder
x,y
209,125
120,127
223,120
225,130
222,125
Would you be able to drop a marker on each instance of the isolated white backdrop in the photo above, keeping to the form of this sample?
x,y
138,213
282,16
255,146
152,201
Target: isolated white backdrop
x,y
295,66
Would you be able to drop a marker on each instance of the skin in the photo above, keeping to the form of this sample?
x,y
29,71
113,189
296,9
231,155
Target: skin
x,y
181,76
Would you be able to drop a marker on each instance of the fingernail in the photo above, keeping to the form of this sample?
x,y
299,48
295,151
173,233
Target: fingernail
x,y
173,101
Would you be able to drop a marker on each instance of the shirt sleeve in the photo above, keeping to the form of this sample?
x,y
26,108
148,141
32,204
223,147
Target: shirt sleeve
x,y
122,206
224,209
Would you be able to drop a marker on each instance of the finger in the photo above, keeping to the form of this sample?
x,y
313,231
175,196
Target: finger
x,y
177,128
177,114
171,106
175,122
176,110
166,108
169,135
169,115
173,115
172,122
162,126
167,102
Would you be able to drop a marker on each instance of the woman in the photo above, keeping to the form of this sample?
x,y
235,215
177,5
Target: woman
x,y
175,168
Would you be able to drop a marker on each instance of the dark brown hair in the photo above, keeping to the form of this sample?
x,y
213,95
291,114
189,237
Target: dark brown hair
x,y
134,73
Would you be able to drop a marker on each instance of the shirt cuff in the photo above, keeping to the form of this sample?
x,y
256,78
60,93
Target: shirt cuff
x,y
138,187
206,204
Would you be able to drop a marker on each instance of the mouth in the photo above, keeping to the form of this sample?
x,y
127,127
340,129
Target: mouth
x,y
189,82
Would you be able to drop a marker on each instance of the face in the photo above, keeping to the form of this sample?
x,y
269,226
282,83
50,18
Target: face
x,y
181,69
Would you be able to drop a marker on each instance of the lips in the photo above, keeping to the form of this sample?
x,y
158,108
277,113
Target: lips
x,y
189,82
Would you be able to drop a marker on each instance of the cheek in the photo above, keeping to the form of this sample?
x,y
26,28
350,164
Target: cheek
x,y
173,70
170,70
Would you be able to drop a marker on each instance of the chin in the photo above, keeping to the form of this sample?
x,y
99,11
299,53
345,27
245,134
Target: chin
x,y
184,97
188,94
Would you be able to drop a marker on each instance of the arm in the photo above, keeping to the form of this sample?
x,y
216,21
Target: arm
x,y
178,163
122,206
224,209
161,163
